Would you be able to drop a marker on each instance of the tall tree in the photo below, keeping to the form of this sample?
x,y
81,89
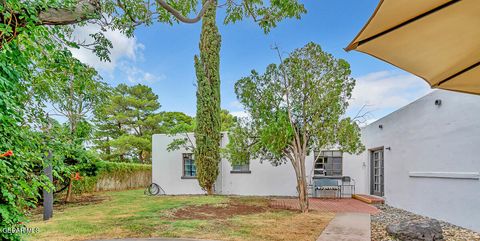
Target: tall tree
x,y
207,131
73,90
126,122
295,107
175,122
111,120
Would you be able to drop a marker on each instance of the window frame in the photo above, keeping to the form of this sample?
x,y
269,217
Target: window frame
x,y
248,171
329,169
185,157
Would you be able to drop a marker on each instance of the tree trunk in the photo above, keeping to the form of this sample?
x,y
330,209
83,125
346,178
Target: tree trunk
x,y
304,191
299,166
140,156
108,149
210,191
302,195
69,191
207,131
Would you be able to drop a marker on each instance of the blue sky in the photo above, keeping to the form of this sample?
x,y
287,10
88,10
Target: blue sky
x,y
161,56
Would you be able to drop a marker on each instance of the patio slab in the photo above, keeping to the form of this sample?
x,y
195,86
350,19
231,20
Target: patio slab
x,y
343,205
347,227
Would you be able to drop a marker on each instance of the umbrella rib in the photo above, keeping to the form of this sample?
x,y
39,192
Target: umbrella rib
x,y
457,74
361,42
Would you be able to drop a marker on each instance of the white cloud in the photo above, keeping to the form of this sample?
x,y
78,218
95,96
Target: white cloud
x,y
380,93
387,89
137,75
124,55
123,48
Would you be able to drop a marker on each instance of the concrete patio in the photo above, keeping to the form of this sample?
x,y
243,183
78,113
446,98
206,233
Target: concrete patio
x,y
341,205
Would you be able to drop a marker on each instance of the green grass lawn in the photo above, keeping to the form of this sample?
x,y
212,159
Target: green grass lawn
x,y
132,214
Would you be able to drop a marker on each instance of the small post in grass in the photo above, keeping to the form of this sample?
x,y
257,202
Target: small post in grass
x,y
48,194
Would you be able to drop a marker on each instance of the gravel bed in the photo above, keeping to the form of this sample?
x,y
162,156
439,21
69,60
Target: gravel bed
x,y
392,215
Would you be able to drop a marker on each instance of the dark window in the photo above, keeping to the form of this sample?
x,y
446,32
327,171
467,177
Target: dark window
x,y
320,166
189,168
243,168
329,163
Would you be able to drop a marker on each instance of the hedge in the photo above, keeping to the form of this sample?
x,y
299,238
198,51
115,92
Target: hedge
x,y
116,170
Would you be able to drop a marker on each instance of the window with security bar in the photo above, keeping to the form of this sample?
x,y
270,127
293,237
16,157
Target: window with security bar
x,y
329,163
189,168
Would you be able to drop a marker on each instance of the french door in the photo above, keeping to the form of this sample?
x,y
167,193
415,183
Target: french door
x,y
377,178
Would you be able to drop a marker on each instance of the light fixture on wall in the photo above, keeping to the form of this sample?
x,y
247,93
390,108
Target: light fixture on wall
x,y
388,148
380,126
438,102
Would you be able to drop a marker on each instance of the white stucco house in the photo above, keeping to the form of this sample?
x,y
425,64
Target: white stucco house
x,y
174,172
427,158
423,158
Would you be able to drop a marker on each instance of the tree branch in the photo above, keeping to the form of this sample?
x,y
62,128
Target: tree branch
x,y
361,116
122,6
84,10
252,14
287,100
182,18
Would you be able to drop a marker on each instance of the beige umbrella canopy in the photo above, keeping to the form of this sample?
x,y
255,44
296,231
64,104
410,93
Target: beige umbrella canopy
x,y
437,40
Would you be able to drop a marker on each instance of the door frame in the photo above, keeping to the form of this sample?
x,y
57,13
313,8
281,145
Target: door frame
x,y
382,171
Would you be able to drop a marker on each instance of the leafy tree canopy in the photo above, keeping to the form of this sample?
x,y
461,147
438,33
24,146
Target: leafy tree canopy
x,y
175,122
126,122
295,107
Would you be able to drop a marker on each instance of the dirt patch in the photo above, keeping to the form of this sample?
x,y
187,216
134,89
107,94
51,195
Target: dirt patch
x,y
77,200
85,199
217,211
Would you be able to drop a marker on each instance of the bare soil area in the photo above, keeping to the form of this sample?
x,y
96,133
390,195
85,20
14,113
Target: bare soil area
x,y
217,211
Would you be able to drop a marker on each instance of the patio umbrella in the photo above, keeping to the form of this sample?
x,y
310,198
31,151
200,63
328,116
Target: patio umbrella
x,y
437,40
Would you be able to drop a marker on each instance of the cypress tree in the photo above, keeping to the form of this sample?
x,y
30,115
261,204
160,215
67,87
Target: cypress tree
x,y
207,131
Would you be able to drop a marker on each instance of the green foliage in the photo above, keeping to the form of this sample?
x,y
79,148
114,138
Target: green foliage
x,y
227,120
20,175
265,15
207,131
72,88
175,122
183,126
126,122
116,170
304,98
239,144
27,52
295,107
127,15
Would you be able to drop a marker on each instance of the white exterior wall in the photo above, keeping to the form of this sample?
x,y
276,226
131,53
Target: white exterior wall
x,y
264,179
167,168
426,138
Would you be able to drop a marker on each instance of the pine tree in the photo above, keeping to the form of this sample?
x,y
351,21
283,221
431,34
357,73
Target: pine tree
x,y
207,131
126,123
